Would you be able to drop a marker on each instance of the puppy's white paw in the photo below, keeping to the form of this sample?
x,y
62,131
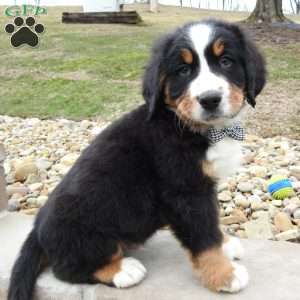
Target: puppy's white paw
x,y
132,272
239,281
233,248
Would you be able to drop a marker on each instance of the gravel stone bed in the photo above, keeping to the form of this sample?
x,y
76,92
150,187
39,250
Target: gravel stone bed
x,y
40,153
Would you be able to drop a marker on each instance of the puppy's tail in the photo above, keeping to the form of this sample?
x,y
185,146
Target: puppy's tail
x,y
26,269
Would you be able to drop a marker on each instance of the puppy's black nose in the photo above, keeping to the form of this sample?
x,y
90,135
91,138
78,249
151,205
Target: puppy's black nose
x,y
210,100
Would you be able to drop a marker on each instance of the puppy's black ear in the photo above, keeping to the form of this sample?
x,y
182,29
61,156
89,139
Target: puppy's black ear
x,y
152,86
254,66
154,77
255,71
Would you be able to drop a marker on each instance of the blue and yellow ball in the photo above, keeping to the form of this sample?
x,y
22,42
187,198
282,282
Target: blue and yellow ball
x,y
280,187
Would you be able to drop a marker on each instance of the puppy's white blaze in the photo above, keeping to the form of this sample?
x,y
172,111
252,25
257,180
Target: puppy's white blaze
x,y
201,35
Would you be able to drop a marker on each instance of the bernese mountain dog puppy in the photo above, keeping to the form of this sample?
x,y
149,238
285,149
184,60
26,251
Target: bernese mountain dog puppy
x,y
156,166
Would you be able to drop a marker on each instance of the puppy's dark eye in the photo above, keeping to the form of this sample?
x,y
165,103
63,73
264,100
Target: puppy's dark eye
x,y
184,71
225,63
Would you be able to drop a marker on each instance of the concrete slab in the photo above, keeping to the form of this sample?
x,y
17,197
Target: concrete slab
x,y
274,269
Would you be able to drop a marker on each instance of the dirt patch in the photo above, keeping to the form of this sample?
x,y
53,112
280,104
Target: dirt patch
x,y
278,107
277,111
76,75
128,82
14,73
275,34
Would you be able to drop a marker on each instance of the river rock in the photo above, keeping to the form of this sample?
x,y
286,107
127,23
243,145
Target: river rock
x,y
43,164
296,213
31,201
259,171
17,188
256,203
295,171
259,229
282,222
228,220
36,186
277,203
259,214
291,208
288,235
245,186
240,215
222,187
13,205
29,211
225,196
69,159
51,147
25,168
242,201
41,200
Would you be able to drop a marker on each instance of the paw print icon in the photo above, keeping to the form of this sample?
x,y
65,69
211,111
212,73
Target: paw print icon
x,y
23,33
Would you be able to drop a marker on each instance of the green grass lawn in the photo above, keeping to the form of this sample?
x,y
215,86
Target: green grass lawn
x,y
89,70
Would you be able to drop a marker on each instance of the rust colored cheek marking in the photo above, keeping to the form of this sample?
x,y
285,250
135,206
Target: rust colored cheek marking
x,y
185,111
168,100
185,107
208,169
181,103
214,269
218,47
236,98
186,55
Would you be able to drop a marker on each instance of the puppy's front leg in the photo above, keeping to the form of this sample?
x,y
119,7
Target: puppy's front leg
x,y
196,225
217,272
232,247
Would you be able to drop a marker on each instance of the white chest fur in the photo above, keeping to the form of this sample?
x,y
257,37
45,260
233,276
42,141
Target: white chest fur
x,y
225,157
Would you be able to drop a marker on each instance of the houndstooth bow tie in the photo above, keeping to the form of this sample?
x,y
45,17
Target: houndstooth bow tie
x,y
237,132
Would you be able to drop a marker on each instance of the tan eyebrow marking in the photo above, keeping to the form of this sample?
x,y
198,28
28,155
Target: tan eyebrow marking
x,y
187,55
218,47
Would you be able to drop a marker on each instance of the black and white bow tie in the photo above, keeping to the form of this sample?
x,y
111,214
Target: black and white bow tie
x,y
236,132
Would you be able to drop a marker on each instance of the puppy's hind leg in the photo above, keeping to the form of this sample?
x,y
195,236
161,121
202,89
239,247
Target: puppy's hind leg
x,y
121,272
113,270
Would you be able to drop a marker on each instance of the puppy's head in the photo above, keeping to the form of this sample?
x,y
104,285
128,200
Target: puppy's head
x,y
204,72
